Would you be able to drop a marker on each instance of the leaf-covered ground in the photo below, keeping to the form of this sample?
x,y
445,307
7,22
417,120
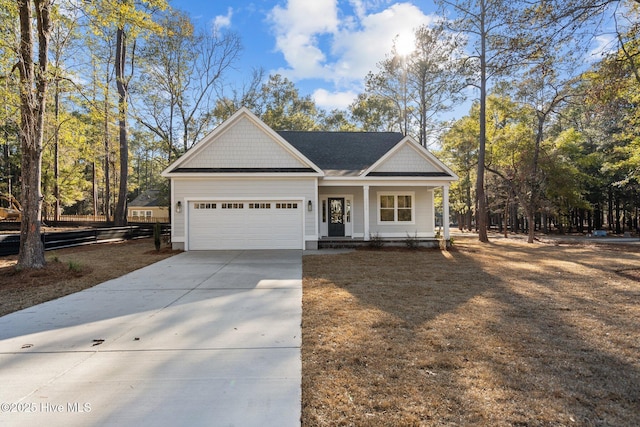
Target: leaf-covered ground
x,y
71,270
501,334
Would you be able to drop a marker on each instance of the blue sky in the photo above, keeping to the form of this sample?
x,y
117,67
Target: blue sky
x,y
325,46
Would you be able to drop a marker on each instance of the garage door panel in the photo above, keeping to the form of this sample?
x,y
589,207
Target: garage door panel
x,y
245,225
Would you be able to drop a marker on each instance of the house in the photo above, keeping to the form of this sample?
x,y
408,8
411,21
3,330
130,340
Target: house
x,y
246,186
147,207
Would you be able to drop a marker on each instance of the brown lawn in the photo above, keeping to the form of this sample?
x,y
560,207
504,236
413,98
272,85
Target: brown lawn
x,y
71,270
503,334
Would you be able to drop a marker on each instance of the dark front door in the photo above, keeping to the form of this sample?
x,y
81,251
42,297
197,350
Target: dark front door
x,y
336,217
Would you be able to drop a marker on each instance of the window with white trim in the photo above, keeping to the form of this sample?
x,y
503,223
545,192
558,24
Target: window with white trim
x,y
396,207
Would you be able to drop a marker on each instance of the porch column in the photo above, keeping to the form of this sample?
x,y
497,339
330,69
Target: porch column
x,y
365,189
445,211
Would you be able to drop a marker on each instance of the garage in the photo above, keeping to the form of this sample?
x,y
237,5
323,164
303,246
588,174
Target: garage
x,y
245,224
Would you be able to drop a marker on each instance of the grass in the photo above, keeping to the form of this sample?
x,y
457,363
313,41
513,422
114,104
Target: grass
x,y
504,334
501,334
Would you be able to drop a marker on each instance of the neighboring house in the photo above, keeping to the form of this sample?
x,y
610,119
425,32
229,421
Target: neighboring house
x,y
246,186
146,207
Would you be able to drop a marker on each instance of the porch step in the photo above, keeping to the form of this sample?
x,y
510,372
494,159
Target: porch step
x,y
358,243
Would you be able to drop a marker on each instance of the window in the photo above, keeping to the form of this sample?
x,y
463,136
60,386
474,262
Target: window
x,y
395,207
286,206
387,208
204,205
259,205
232,205
404,208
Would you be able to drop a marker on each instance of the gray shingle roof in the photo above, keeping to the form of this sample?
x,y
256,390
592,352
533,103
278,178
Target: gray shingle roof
x,y
342,153
146,199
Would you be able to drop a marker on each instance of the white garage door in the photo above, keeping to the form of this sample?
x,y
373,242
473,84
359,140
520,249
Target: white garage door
x,y
273,224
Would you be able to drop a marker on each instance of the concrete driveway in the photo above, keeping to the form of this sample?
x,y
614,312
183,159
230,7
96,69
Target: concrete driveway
x,y
207,338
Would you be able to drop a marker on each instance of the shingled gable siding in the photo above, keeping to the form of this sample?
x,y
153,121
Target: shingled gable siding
x,y
407,160
241,189
244,145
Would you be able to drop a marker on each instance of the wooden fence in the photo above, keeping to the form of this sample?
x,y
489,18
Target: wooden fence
x,y
102,218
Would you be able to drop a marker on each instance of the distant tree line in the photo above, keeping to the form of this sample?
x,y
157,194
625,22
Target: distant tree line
x,y
552,140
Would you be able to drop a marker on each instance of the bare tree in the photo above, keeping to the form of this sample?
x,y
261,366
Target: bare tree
x,y
183,70
496,48
129,18
33,90
122,85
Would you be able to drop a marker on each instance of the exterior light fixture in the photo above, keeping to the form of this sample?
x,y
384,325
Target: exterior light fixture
x,y
309,206
179,207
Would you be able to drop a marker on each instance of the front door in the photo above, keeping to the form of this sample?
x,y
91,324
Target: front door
x,y
336,217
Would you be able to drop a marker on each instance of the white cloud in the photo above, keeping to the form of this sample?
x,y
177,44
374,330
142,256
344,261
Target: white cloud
x,y
331,100
306,17
359,51
223,21
319,42
297,28
604,44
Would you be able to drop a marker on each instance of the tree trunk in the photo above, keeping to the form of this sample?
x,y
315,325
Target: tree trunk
x,y
56,153
617,215
33,82
481,217
94,190
120,216
506,218
610,208
468,215
107,163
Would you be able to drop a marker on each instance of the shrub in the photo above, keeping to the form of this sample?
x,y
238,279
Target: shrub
x,y
412,242
375,241
76,267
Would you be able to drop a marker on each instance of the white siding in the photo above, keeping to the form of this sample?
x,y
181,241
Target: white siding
x,y
243,145
407,159
262,188
424,221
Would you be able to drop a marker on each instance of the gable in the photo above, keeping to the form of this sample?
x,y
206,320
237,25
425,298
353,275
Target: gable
x,y
244,146
406,159
409,159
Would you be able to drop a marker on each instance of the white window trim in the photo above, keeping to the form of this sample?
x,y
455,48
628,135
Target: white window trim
x,y
395,221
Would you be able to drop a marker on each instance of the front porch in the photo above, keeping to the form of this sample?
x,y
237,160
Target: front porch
x,y
397,213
